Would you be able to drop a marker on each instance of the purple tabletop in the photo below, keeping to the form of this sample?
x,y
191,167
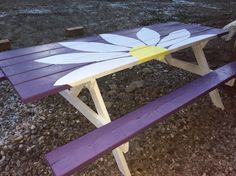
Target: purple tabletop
x,y
33,79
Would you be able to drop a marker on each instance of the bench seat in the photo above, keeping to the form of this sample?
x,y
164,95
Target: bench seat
x,y
77,154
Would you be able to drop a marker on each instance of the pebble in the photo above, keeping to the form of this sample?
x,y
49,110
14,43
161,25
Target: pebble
x,y
32,127
18,138
146,70
134,85
42,118
108,104
113,86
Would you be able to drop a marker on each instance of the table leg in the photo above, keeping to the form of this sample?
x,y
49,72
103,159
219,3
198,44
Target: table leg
x,y
202,62
98,119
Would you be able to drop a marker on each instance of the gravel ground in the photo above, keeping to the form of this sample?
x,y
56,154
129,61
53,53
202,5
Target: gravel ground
x,y
198,140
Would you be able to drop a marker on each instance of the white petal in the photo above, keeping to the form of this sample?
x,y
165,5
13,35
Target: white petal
x,y
94,70
121,40
76,58
191,40
174,37
93,47
148,36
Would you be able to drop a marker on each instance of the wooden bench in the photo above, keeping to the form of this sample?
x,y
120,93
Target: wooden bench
x,y
79,153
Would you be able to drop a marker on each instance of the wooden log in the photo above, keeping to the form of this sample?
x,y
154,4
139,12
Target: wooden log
x,y
5,45
74,31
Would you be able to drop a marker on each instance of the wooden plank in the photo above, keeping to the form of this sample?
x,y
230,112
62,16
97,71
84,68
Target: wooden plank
x,y
5,45
37,55
39,88
74,31
43,72
77,154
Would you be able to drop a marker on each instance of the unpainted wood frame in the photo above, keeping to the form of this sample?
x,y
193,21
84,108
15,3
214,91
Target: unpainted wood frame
x,y
99,118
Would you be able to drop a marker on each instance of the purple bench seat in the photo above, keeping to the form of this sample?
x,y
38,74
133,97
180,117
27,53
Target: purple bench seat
x,y
77,154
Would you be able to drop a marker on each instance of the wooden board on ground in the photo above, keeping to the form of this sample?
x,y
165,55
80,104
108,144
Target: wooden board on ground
x,y
5,45
74,31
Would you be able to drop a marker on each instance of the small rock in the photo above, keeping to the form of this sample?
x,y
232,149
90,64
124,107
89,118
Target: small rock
x,y
2,159
111,92
83,98
18,163
108,104
113,86
18,138
134,85
165,71
42,118
146,70
32,127
2,142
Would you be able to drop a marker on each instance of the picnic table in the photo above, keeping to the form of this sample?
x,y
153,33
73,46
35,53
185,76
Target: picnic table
x,y
69,66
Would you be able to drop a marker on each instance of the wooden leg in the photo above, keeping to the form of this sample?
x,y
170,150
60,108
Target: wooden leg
x,y
121,162
98,119
202,62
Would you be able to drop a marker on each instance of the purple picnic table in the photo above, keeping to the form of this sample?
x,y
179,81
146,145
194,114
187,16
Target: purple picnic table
x,y
69,66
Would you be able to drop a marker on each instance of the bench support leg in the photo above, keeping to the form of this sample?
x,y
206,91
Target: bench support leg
x,y
98,119
231,82
202,62
201,68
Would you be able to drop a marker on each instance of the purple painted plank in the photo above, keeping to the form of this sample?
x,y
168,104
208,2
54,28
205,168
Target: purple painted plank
x,y
2,76
42,72
77,154
39,88
27,58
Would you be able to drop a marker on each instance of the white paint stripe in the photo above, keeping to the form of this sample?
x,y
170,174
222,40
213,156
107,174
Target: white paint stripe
x,y
148,36
76,58
191,40
174,37
93,70
93,47
121,40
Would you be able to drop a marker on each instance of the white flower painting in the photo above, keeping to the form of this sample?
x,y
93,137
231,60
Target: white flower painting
x,y
118,51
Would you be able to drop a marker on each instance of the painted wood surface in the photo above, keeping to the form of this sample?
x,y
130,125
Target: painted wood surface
x,y
69,63
75,155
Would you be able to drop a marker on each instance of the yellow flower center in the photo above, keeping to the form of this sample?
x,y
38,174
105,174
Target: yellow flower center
x,y
147,53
